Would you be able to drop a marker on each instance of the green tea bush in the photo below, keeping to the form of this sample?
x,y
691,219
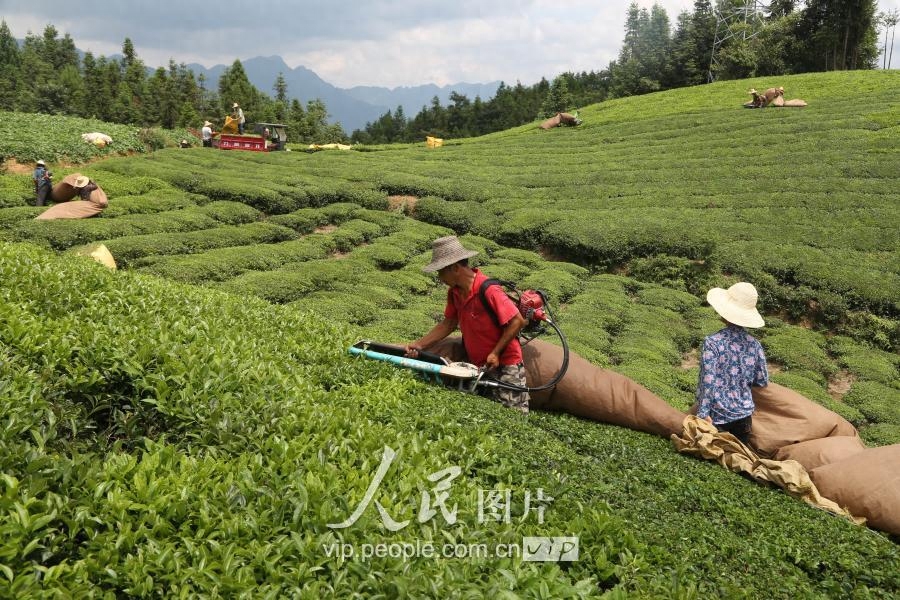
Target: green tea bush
x,y
225,263
880,332
353,233
16,191
65,233
865,362
879,403
295,281
383,255
151,202
233,189
230,213
880,434
129,248
18,214
560,285
673,272
798,348
305,220
461,217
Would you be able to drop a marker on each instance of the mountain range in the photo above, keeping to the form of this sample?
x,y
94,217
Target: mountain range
x,y
351,107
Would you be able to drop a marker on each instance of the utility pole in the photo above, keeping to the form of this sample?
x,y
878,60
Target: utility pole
x,y
749,13
890,20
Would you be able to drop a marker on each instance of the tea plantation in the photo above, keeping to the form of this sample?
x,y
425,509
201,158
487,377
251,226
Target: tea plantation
x,y
192,424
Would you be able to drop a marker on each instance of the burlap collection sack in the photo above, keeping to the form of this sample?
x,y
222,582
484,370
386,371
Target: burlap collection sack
x,y
784,417
586,390
99,198
551,122
76,209
867,483
823,451
65,189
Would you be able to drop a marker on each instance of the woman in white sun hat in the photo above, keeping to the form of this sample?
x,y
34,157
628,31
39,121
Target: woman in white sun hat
x,y
731,362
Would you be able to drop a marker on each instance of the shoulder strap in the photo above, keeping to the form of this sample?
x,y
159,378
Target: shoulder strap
x,y
487,305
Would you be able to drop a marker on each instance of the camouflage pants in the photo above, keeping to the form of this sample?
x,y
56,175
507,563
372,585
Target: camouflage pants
x,y
514,375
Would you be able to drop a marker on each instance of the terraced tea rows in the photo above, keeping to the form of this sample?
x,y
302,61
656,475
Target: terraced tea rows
x,y
622,220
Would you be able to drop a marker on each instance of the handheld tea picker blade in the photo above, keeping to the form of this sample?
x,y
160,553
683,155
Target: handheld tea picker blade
x,y
461,376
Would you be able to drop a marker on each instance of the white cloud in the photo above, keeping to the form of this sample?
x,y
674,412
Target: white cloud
x,y
387,43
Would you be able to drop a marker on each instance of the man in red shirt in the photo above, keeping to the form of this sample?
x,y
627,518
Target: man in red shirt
x,y
487,344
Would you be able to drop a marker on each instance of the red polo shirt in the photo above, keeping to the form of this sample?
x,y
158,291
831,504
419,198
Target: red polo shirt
x,y
480,335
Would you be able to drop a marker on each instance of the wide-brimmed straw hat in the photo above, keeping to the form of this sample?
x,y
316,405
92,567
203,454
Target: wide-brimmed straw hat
x,y
446,251
753,91
81,181
40,162
235,105
207,124
737,304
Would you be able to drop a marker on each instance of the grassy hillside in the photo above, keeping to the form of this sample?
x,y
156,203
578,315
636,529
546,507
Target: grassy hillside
x,y
210,438
27,137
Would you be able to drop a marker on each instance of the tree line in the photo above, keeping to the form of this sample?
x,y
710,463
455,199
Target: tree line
x,y
46,75
791,36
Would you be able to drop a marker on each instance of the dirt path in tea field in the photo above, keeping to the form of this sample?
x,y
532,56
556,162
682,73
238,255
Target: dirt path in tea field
x,y
14,167
839,384
405,204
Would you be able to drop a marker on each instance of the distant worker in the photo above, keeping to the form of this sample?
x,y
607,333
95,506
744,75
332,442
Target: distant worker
x,y
239,117
489,345
43,183
206,134
185,144
731,362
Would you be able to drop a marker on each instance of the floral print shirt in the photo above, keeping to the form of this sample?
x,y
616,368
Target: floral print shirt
x,y
732,361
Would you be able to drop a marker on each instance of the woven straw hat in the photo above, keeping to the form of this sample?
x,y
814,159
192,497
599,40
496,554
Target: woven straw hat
x,y
40,162
81,181
445,251
753,91
207,124
235,105
737,304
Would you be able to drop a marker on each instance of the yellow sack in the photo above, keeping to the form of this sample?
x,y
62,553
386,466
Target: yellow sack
x,y
433,142
230,126
100,253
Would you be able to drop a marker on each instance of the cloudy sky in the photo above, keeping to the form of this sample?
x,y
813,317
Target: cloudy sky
x,y
369,42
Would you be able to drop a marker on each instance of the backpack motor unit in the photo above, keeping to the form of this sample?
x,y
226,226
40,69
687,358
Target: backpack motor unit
x,y
534,307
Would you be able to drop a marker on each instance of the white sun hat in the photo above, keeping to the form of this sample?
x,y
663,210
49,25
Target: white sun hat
x,y
737,304
446,251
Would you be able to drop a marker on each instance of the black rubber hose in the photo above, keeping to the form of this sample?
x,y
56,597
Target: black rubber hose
x,y
556,379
